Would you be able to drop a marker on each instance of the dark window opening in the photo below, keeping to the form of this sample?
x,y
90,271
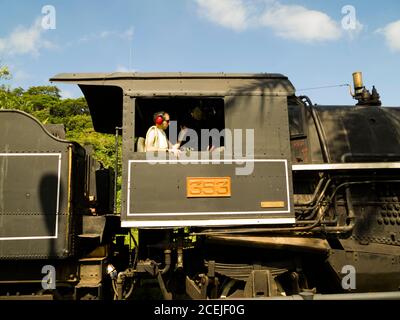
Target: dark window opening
x,y
296,122
298,134
184,113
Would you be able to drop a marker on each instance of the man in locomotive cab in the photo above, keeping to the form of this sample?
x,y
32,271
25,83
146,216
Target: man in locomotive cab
x,y
197,120
156,138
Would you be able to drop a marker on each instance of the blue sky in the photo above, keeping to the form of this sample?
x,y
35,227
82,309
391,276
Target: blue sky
x,y
303,39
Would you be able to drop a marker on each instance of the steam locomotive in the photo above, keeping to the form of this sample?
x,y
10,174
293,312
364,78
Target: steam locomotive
x,y
297,200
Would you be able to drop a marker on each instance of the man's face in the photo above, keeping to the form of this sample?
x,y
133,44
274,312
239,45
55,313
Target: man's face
x,y
197,113
165,123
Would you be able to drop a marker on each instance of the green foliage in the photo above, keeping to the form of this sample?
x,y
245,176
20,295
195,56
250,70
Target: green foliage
x,y
70,107
14,100
46,91
4,72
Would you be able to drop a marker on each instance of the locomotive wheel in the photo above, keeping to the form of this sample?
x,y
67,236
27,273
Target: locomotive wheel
x,y
228,291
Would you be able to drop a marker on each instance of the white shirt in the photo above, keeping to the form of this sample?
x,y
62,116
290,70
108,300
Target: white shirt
x,y
156,138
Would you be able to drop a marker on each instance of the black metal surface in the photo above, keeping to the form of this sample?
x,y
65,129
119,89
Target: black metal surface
x,y
150,194
375,271
100,102
361,134
35,221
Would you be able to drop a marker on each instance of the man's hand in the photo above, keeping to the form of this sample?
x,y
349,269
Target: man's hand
x,y
211,149
175,151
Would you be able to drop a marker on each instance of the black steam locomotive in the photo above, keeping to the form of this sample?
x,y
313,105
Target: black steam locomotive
x,y
290,200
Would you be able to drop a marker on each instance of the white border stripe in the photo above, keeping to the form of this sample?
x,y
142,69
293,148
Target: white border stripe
x,y
202,213
30,154
58,195
199,223
287,186
210,161
337,166
206,222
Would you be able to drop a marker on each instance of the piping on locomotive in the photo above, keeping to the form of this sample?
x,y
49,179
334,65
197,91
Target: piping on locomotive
x,y
318,213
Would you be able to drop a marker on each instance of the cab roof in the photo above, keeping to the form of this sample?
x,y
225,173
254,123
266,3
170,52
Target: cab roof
x,y
104,92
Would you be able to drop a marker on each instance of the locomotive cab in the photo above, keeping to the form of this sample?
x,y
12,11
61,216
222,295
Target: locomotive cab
x,y
244,180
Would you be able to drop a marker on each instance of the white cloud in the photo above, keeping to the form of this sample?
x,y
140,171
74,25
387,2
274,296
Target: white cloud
x,y
127,34
25,40
105,34
353,33
121,68
66,94
299,23
287,21
20,75
228,13
392,35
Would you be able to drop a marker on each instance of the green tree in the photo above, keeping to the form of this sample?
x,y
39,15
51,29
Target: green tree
x,y
13,100
70,107
4,72
43,97
50,91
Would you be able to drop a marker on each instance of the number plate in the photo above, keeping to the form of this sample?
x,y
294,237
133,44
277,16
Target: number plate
x,y
208,187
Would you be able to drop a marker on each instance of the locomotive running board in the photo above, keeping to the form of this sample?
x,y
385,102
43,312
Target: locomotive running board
x,y
391,295
204,223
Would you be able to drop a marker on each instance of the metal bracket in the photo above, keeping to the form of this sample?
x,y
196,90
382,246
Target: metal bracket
x,y
197,292
260,283
91,271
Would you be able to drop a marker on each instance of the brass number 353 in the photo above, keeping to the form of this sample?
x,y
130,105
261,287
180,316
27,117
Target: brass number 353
x,y
208,187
